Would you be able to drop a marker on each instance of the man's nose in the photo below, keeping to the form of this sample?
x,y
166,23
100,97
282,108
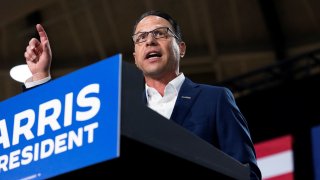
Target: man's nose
x,y
151,39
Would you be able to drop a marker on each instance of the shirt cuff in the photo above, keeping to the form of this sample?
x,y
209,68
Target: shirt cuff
x,y
29,83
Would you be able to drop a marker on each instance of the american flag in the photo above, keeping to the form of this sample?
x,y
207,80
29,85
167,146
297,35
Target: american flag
x,y
275,158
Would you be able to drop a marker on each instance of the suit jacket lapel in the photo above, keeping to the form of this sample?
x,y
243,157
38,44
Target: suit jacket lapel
x,y
186,97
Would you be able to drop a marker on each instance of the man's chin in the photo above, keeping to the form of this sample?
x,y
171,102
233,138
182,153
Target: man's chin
x,y
153,73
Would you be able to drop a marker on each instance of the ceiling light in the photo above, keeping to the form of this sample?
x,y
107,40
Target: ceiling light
x,y
20,73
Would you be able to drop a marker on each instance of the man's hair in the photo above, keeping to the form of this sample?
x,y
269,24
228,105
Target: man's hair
x,y
176,28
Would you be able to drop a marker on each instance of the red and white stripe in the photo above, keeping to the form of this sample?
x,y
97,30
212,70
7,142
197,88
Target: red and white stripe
x,y
275,158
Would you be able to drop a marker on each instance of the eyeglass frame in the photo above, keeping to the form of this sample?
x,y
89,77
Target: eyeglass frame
x,y
153,35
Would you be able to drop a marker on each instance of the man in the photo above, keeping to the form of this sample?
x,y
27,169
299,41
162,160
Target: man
x,y
207,111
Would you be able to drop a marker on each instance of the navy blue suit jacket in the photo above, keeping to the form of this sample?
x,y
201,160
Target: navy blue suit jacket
x,y
211,113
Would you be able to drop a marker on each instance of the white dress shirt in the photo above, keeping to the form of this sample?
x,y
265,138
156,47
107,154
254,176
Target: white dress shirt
x,y
29,83
164,104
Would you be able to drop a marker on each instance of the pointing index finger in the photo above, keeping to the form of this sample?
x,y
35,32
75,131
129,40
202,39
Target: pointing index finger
x,y
42,33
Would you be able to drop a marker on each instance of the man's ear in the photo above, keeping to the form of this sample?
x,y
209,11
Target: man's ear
x,y
183,48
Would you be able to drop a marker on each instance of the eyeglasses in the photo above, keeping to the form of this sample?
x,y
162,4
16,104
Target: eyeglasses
x,y
161,32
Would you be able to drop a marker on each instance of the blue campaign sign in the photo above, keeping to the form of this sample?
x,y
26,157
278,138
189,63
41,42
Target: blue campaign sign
x,y
66,124
315,133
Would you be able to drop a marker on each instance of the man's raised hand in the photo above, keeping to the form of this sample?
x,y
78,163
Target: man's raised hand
x,y
38,55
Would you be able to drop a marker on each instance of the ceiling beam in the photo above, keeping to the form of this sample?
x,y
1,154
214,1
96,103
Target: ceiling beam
x,y
236,21
15,9
72,27
271,17
93,27
4,49
107,10
209,32
196,32
311,14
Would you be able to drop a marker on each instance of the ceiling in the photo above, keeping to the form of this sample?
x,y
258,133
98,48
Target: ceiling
x,y
225,38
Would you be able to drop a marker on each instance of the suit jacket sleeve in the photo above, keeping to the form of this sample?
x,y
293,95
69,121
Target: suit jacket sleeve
x,y
233,133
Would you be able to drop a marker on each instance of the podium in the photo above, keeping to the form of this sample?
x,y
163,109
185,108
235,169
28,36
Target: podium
x,y
153,146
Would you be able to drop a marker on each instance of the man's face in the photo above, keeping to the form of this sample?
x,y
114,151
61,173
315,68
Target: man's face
x,y
157,58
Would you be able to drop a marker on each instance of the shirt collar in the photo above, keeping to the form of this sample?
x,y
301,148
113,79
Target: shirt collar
x,y
175,84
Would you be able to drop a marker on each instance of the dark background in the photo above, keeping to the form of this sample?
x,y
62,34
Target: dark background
x,y
265,51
